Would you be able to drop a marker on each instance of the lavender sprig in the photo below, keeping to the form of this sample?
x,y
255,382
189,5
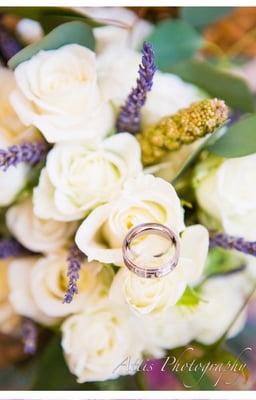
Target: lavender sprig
x,y
10,248
129,118
75,259
29,335
31,153
9,45
233,243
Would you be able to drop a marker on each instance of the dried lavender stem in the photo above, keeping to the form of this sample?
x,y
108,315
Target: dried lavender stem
x,y
11,248
30,153
9,45
129,119
29,334
229,242
75,259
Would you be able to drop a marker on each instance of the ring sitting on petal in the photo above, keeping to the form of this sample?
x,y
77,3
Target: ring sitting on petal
x,y
151,271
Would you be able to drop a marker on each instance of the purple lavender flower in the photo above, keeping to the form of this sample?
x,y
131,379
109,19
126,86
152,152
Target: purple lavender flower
x,y
234,117
129,118
31,153
75,259
10,248
29,335
9,45
233,243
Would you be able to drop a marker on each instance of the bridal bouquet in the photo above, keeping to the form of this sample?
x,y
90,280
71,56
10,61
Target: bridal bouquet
x,y
107,122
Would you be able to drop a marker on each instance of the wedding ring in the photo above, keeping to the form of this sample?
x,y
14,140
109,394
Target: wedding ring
x,y
151,271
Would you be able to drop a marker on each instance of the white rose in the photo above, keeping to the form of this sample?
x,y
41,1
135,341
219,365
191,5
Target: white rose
x,y
21,298
59,94
12,131
11,128
249,273
78,178
167,330
148,296
115,79
49,283
222,298
97,343
169,92
228,194
143,199
123,27
12,181
9,319
37,234
10,125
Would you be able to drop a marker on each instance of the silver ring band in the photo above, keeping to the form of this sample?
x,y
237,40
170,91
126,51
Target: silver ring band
x,y
157,229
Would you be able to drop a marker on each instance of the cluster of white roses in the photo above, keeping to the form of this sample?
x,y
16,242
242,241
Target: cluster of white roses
x,y
93,188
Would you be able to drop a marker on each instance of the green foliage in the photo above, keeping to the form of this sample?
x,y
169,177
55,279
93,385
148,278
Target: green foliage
x,y
50,17
191,377
221,261
122,383
207,366
223,357
17,377
174,41
190,298
70,32
3,228
218,83
202,16
238,140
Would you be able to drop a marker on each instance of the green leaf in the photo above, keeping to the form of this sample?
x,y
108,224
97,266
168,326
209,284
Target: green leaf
x,y
24,12
190,298
238,140
17,377
188,369
218,83
225,360
206,367
174,41
220,261
126,382
51,16
203,16
71,32
195,380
